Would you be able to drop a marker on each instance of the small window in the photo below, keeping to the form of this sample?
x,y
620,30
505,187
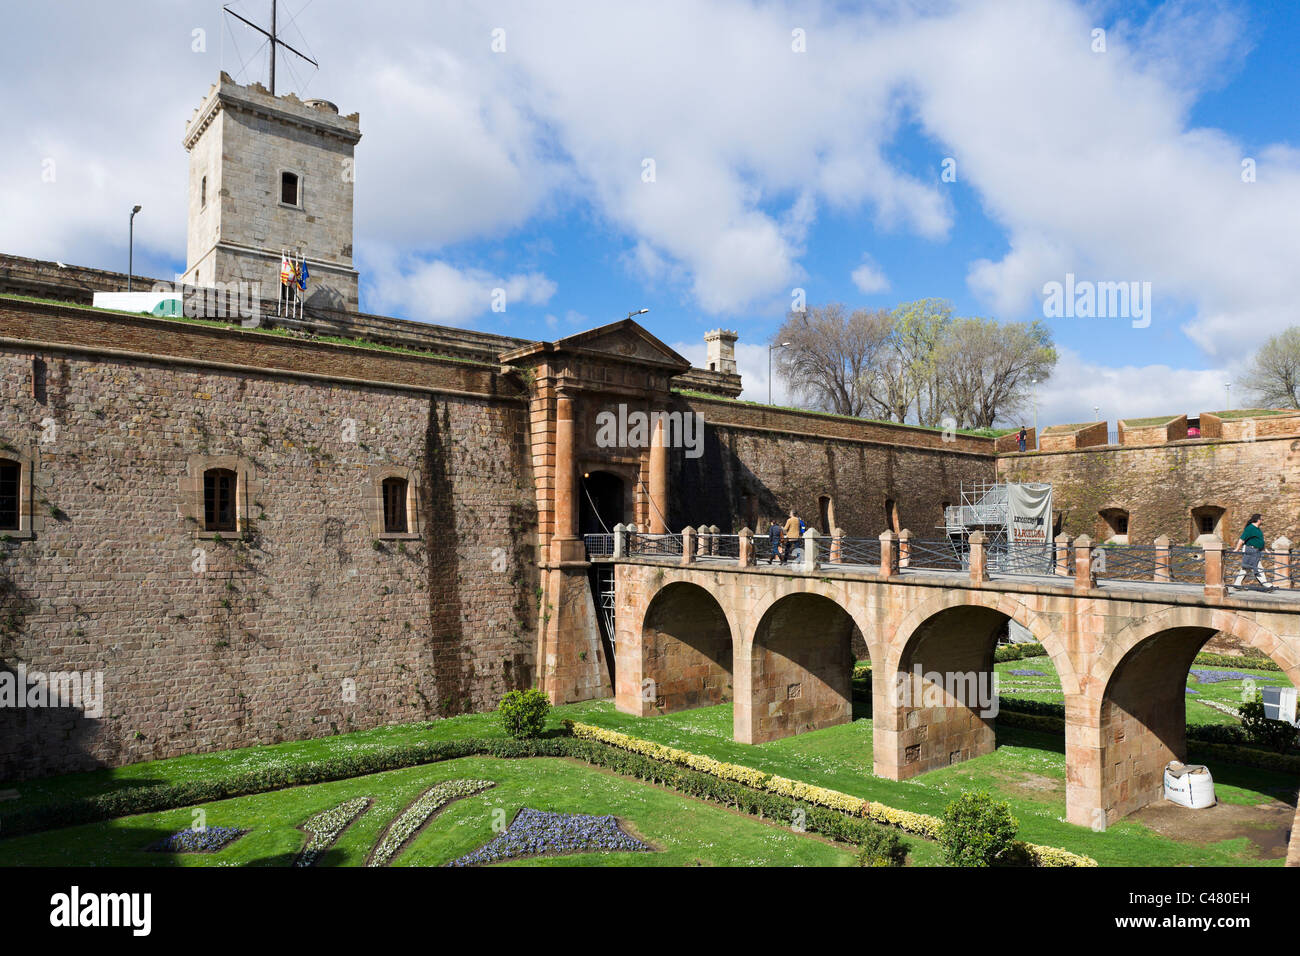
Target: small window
x,y
289,192
826,514
395,505
1116,522
219,499
1206,519
203,192
10,475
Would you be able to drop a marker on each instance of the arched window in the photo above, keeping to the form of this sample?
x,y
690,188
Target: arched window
x,y
1207,519
219,487
290,191
1116,523
826,514
203,192
395,490
891,515
10,494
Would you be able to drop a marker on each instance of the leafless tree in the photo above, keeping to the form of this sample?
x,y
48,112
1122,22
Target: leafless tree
x,y
831,355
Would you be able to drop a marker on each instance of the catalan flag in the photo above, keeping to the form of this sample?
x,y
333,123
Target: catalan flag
x,y
286,271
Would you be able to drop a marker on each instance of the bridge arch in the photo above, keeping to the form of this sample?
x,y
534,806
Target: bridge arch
x,y
686,650
834,591
795,672
934,700
1136,700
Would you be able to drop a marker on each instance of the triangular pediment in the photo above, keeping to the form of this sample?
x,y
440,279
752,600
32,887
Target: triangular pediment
x,y
623,340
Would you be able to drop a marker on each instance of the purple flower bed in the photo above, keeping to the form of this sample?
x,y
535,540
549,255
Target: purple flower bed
x,y
1027,673
535,832
209,840
1215,677
1196,692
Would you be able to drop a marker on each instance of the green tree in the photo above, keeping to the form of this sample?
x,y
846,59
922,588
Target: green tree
x,y
977,831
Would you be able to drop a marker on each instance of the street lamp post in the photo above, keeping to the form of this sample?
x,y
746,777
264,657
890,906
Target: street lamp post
x,y
1033,383
637,312
130,248
770,350
1227,386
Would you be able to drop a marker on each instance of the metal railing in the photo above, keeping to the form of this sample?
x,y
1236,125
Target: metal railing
x,y
862,551
1035,560
718,546
651,545
599,545
945,555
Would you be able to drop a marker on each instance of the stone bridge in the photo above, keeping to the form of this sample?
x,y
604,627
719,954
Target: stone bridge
x,y
693,630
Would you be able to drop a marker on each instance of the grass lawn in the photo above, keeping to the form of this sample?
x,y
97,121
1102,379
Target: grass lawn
x,y
687,832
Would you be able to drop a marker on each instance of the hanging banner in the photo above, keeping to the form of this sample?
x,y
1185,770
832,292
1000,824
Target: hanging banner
x,y
1029,515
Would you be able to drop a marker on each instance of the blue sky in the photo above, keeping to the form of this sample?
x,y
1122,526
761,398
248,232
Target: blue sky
x,y
776,168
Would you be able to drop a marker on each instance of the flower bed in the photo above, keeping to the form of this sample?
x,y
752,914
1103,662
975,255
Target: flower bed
x,y
207,840
325,829
539,832
417,815
922,824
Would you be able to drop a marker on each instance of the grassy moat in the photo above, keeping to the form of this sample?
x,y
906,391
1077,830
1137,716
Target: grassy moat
x,y
1249,826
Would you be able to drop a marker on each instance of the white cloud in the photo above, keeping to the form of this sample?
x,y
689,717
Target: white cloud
x,y
436,291
869,278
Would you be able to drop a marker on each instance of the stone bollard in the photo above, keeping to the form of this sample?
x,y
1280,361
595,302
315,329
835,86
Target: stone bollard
x,y
888,554
1162,559
904,548
688,544
979,558
1063,555
745,550
810,556
620,542
1282,563
715,546
837,545
1212,545
1083,579
702,540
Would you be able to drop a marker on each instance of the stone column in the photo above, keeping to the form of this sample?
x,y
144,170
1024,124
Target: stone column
x,y
1162,559
565,545
1083,563
837,545
1212,545
702,539
1282,558
688,545
979,558
904,548
658,479
714,531
620,541
810,557
888,554
1063,555
746,549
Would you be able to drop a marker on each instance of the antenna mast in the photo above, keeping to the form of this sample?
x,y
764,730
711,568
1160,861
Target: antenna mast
x,y
273,36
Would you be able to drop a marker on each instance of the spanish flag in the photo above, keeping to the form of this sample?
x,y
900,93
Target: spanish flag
x,y
286,271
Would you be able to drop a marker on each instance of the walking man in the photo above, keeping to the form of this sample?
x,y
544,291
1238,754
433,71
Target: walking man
x,y
1022,438
792,526
774,536
1251,546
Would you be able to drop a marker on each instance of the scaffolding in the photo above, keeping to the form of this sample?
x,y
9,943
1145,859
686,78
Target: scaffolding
x,y
986,506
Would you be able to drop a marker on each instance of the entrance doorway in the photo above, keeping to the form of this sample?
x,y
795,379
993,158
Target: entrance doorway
x,y
600,502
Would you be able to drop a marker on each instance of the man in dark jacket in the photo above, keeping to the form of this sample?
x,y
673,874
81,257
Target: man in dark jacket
x,y
1251,546
774,537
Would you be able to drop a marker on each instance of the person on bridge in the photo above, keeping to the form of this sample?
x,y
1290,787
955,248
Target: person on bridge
x,y
774,536
793,534
1251,546
1022,438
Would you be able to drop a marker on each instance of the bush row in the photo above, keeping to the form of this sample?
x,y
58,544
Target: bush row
x,y
922,824
1015,652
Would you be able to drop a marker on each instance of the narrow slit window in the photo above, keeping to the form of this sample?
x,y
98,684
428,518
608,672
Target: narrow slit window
x,y
395,506
10,475
219,499
289,189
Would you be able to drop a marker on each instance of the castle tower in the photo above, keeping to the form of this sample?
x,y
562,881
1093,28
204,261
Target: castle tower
x,y
267,174
722,350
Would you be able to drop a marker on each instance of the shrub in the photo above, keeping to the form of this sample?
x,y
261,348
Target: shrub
x,y
880,847
523,713
977,831
1265,731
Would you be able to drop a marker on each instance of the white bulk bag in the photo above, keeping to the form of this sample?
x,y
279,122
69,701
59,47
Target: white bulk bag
x,y
1189,785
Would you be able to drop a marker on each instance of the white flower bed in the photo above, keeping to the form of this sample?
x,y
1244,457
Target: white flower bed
x,y
429,803
327,827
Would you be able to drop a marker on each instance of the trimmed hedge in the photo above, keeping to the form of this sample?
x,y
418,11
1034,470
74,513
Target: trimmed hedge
x,y
922,824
